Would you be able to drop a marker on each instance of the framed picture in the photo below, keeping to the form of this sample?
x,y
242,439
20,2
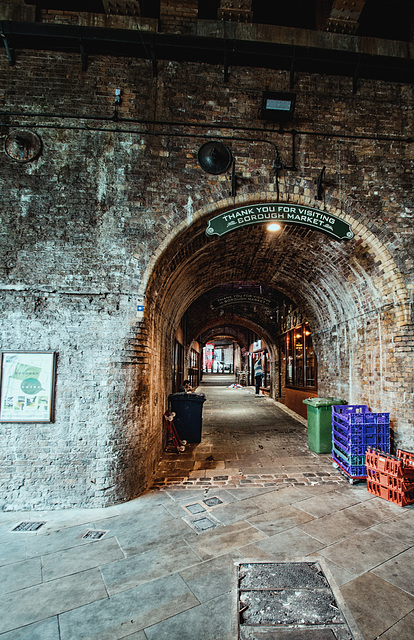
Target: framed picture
x,y
27,386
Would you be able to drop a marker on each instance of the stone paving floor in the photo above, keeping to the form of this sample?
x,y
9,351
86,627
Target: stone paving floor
x,y
247,440
164,568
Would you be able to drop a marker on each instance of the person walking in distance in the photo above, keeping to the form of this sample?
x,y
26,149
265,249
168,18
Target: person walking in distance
x,y
258,375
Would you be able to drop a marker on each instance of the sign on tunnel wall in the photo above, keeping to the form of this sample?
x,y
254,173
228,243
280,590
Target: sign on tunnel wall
x,y
280,212
241,298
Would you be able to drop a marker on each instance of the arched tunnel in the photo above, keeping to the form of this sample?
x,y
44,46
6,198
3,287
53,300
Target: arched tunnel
x,y
344,290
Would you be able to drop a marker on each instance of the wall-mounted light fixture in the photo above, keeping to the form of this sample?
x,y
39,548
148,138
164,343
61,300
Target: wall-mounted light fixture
x,y
277,106
214,157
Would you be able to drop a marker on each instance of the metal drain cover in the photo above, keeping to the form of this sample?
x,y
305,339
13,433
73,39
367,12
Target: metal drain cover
x,y
195,508
203,524
28,526
288,601
213,502
94,534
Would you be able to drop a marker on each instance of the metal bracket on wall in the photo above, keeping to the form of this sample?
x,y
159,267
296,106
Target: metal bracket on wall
x,y
355,79
319,184
9,50
226,66
292,72
233,180
84,56
154,62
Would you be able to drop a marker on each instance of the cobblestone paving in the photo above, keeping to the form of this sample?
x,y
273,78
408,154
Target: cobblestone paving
x,y
246,441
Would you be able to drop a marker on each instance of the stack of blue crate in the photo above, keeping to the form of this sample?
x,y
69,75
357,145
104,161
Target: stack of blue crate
x,y
354,429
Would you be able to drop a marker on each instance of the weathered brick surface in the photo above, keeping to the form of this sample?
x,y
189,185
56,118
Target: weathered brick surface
x,y
112,211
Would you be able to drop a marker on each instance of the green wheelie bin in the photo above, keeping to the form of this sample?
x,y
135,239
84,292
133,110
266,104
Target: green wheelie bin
x,y
320,423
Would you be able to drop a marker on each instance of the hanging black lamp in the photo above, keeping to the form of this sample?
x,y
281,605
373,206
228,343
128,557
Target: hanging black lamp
x,y
214,157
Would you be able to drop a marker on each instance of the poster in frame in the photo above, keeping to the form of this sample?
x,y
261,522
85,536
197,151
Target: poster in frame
x,y
27,386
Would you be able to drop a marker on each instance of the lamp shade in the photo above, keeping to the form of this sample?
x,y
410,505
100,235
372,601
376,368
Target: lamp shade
x,y
214,157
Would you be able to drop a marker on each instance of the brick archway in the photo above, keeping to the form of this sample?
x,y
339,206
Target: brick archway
x,y
352,293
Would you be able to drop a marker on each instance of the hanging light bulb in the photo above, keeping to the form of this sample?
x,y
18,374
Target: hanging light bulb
x,y
273,226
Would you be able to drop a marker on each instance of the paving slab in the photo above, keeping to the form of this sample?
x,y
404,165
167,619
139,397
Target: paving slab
x,y
12,550
277,520
338,525
49,599
399,571
363,551
20,575
45,541
70,561
241,493
223,540
209,621
128,612
283,496
400,527
375,604
339,574
319,506
401,630
285,546
236,511
153,536
211,578
140,569
44,630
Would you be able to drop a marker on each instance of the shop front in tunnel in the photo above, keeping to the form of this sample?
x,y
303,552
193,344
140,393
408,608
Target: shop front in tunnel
x,y
297,366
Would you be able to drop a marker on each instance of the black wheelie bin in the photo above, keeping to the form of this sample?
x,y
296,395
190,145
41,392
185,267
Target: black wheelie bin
x,y
188,409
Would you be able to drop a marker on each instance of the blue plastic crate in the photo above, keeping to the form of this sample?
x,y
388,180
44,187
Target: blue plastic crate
x,y
353,471
372,429
359,446
350,460
348,414
373,437
377,418
356,430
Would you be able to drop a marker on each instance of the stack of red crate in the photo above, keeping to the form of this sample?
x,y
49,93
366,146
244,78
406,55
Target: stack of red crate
x,y
391,477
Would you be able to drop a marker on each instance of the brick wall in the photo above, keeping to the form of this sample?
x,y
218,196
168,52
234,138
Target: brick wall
x,y
112,211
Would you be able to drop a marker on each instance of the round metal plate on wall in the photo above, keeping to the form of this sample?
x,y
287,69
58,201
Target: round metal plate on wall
x,y
23,145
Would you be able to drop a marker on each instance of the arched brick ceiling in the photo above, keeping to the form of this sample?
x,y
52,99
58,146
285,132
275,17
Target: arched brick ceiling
x,y
329,280
248,306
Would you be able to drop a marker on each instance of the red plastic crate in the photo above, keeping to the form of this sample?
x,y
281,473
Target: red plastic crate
x,y
389,464
407,457
401,498
389,481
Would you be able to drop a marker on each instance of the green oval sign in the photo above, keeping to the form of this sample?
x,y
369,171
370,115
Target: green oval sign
x,y
280,212
30,386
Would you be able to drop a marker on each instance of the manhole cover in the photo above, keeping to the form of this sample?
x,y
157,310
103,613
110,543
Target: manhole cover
x,y
288,601
203,524
212,502
195,508
93,534
28,526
